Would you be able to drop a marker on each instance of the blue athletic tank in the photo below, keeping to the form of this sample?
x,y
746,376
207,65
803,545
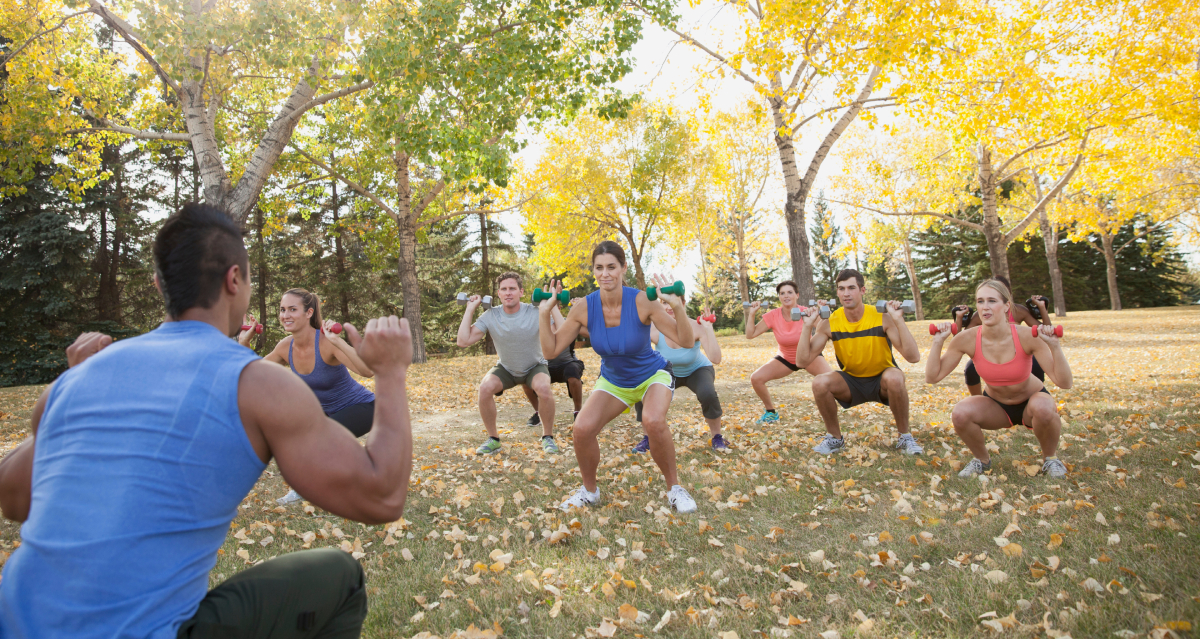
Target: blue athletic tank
x,y
332,385
626,358
140,463
684,361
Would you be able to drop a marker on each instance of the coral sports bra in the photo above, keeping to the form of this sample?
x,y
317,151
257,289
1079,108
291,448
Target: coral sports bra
x,y
1014,371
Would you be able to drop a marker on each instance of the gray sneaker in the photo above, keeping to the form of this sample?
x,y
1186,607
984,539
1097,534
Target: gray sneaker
x,y
488,447
975,467
830,445
548,445
290,498
908,445
1054,468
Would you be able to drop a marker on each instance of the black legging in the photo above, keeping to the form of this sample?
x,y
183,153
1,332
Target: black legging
x,y
702,382
357,419
973,376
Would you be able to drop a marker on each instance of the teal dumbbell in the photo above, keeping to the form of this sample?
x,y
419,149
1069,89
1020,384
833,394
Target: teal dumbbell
x,y
673,289
564,297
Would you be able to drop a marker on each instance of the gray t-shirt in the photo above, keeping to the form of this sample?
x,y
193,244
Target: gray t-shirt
x,y
515,336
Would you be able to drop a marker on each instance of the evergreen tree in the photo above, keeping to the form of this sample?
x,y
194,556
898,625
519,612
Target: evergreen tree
x,y
826,240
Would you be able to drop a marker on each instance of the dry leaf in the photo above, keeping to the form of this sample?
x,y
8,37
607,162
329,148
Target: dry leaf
x,y
885,536
830,634
1056,540
996,576
627,612
727,635
556,608
1114,539
606,629
714,542
1013,550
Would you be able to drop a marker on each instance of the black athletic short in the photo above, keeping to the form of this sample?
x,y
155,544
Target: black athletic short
x,y
1015,412
569,370
862,389
792,367
357,419
973,376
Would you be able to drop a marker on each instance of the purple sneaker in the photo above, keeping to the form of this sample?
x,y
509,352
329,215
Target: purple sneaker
x,y
642,446
718,444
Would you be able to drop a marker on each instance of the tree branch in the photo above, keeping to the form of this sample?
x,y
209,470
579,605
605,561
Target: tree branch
x,y
122,27
716,56
940,216
1145,231
355,186
61,23
1058,186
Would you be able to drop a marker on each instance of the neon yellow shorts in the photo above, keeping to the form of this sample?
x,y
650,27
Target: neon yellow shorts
x,y
631,396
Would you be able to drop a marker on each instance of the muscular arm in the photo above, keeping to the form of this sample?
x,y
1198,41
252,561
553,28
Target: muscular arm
x,y
320,458
897,331
343,353
812,338
939,365
16,469
1049,354
278,355
752,329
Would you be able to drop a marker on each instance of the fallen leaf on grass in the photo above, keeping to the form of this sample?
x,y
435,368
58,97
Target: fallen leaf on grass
x,y
996,576
1056,540
556,608
732,634
1114,539
1091,585
714,542
606,629
1013,550
830,634
662,623
627,612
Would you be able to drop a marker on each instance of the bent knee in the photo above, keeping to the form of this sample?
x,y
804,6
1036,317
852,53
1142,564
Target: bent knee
x,y
961,416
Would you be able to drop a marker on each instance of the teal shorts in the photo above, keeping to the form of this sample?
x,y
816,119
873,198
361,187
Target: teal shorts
x,y
631,396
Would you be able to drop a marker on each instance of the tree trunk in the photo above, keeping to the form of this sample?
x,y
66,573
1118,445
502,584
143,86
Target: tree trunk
x,y
339,251
262,277
108,253
743,266
1110,263
1050,239
912,278
489,347
992,230
406,228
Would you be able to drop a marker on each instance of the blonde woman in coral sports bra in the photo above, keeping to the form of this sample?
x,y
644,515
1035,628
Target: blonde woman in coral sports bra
x,y
1003,354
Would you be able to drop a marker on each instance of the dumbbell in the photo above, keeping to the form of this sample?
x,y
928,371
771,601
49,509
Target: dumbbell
x,y
933,329
826,309
564,297
335,328
762,304
673,289
710,318
1058,330
799,311
907,306
257,328
463,298
968,313
1033,307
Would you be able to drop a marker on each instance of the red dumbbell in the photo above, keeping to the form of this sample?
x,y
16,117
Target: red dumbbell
x,y
933,329
257,328
1058,330
336,328
711,318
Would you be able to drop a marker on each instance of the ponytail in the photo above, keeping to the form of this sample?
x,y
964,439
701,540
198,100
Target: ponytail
x,y
311,301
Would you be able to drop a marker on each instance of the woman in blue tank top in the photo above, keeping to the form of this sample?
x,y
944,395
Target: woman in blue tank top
x,y
618,320
324,361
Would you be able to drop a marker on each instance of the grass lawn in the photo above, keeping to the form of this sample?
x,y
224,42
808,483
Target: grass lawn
x,y
786,542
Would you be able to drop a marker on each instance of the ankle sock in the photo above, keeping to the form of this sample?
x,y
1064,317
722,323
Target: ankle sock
x,y
495,438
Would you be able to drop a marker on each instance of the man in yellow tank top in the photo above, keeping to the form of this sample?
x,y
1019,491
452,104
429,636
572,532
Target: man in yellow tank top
x,y
862,340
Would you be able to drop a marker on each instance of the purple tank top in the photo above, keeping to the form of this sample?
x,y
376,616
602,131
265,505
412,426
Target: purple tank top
x,y
332,385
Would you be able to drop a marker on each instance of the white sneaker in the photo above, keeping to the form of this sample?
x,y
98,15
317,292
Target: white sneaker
x,y
830,445
290,498
680,500
908,445
1054,468
975,467
581,499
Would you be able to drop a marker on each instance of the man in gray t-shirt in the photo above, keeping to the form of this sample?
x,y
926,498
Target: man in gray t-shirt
x,y
514,329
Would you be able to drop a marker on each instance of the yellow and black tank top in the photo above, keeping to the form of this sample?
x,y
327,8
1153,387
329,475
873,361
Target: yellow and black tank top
x,y
862,348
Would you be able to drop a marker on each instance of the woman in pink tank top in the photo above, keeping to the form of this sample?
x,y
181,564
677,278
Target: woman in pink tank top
x,y
1003,353
787,333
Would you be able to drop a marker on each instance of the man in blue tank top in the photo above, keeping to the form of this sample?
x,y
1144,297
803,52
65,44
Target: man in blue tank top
x,y
127,489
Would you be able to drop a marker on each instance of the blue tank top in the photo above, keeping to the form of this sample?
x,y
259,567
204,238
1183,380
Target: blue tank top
x,y
332,385
140,463
684,361
626,358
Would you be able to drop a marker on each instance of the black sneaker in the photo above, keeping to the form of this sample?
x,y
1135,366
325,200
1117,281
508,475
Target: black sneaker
x,y
534,421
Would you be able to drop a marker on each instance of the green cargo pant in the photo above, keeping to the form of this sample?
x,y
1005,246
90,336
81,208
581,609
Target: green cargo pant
x,y
308,594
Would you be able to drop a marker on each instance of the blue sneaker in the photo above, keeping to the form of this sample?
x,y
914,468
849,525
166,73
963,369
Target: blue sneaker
x,y
767,417
642,446
718,444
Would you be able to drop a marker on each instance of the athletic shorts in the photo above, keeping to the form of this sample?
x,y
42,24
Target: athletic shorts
x,y
631,396
570,370
791,367
1015,412
973,376
357,418
702,382
862,389
509,380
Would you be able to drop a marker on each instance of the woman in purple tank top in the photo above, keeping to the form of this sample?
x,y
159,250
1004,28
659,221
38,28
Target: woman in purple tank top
x,y
324,361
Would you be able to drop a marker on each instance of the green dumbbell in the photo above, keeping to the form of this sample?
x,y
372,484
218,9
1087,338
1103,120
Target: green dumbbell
x,y
673,289
564,297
